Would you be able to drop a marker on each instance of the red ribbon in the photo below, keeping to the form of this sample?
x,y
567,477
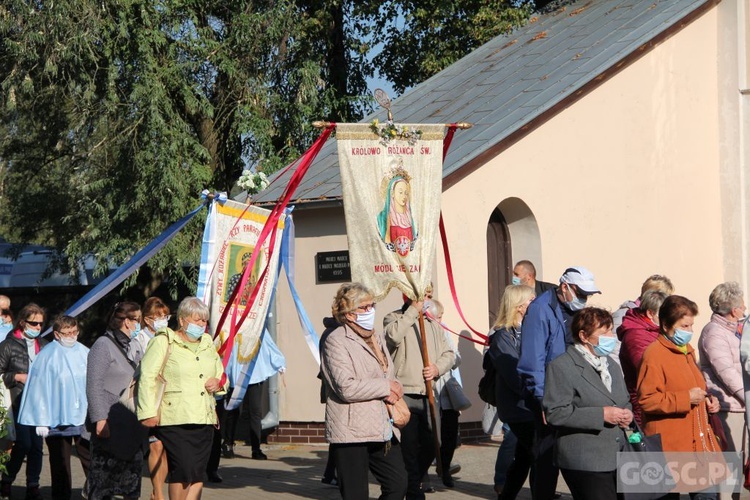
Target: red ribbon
x,y
449,268
431,317
269,227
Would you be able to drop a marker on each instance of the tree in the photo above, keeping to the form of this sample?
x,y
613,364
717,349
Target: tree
x,y
420,38
115,115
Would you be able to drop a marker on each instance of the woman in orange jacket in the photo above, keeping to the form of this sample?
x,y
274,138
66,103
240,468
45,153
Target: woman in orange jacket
x,y
671,387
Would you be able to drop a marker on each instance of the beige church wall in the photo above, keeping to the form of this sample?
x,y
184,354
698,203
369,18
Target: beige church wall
x,y
625,182
317,230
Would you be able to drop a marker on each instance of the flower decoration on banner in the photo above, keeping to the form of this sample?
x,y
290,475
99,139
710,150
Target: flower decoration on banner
x,y
389,131
252,182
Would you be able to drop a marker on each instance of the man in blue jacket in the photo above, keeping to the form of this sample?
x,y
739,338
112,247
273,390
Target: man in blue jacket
x,y
544,336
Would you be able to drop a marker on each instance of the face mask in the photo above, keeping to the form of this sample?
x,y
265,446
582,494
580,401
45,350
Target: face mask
x,y
135,331
194,331
605,347
576,303
682,337
32,334
515,280
160,323
366,320
67,341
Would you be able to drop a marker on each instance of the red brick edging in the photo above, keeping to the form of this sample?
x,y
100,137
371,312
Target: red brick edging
x,y
314,433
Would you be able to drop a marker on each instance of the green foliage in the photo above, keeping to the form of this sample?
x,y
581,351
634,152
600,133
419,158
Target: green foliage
x,y
5,423
420,38
115,115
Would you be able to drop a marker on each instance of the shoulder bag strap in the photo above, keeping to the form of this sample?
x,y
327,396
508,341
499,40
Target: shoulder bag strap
x,y
119,347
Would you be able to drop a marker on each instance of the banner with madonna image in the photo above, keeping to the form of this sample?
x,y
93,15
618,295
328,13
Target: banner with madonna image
x,y
391,177
229,239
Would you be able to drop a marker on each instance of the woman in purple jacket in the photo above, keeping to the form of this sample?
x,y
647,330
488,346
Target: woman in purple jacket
x,y
639,329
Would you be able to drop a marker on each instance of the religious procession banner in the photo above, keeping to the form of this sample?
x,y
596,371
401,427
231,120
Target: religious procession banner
x,y
391,177
229,239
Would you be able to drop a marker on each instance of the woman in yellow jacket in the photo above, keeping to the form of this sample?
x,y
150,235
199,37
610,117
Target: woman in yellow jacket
x,y
186,415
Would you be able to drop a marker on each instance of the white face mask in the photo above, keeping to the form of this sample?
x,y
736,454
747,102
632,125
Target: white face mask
x,y
159,324
366,320
67,341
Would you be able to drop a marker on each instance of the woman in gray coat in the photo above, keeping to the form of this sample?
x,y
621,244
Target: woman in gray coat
x,y
585,399
116,435
359,385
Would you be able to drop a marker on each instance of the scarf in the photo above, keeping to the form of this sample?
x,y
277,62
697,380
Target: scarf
x,y
599,363
372,342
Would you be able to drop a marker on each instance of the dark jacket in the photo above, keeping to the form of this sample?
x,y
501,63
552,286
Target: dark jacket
x,y
574,404
14,358
542,286
505,347
330,325
637,332
543,338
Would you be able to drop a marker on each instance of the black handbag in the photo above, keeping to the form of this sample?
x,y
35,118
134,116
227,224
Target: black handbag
x,y
637,441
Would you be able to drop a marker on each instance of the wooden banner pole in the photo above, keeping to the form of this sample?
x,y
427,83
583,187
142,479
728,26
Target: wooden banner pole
x,y
430,397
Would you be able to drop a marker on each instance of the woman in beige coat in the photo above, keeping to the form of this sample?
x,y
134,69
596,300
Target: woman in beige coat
x,y
359,385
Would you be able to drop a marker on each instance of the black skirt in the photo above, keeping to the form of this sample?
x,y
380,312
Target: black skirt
x,y
188,448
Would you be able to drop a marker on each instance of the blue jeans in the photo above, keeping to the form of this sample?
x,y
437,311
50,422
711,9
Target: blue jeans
x,y
505,455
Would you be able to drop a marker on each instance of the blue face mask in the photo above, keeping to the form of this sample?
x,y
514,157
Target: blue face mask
x,y
576,304
606,346
515,280
194,331
160,323
32,334
681,337
136,331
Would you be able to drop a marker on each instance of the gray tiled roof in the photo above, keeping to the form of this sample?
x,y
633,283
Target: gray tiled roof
x,y
514,79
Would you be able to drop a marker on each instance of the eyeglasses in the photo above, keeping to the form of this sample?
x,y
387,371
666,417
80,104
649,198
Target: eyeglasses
x,y
34,323
74,333
160,318
366,307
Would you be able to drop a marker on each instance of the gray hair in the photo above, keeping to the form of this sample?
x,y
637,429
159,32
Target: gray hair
x,y
652,301
725,297
435,308
190,306
348,297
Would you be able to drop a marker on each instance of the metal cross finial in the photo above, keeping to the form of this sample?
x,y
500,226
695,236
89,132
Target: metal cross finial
x,y
384,101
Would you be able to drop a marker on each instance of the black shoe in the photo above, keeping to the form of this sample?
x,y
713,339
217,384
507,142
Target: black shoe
x,y
5,490
214,477
227,450
32,493
448,481
330,480
259,455
426,488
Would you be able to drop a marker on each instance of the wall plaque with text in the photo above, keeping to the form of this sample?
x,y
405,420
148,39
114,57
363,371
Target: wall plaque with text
x,y
333,266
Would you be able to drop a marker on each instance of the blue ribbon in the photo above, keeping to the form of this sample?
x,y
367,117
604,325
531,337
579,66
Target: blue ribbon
x,y
287,259
140,258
